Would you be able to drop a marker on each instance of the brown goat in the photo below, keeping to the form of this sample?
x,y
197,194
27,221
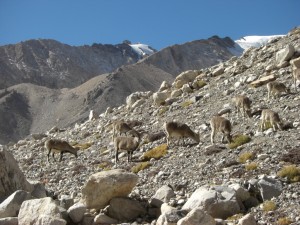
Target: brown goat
x,y
179,130
59,146
273,117
275,88
220,124
243,105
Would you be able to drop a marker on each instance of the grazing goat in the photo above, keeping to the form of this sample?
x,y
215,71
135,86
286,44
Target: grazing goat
x,y
179,130
296,76
273,117
59,146
275,88
128,144
220,124
243,105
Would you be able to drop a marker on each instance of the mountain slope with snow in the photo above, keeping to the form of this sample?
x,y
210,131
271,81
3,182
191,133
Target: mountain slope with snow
x,y
255,41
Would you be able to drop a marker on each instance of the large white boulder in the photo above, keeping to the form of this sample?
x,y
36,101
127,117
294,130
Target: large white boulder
x,y
42,211
12,178
101,187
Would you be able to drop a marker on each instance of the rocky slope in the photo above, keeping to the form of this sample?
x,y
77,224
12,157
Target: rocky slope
x,y
45,107
186,167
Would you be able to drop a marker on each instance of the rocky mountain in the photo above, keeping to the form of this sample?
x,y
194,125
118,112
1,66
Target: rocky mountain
x,y
252,180
45,107
52,64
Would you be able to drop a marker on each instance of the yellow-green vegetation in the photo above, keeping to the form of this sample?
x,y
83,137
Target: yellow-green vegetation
x,y
291,172
140,166
251,166
269,206
186,103
267,125
284,221
84,145
238,141
163,110
235,217
245,156
104,166
156,152
201,83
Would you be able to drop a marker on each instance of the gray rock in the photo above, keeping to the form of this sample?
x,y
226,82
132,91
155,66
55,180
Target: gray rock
x,y
40,211
125,209
269,188
162,195
12,178
247,220
220,202
197,216
76,212
285,54
104,219
11,206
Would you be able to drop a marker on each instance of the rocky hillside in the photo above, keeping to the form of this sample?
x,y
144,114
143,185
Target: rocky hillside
x,y
45,107
258,177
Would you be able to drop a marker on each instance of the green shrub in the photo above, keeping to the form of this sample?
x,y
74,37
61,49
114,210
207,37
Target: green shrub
x,y
140,166
245,156
292,173
156,152
238,141
269,206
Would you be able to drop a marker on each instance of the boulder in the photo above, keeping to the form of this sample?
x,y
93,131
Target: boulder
x,y
247,220
285,54
125,209
269,187
171,217
295,63
160,97
101,187
93,115
42,211
76,212
218,71
10,207
162,195
11,177
104,219
262,81
187,76
164,86
219,201
197,216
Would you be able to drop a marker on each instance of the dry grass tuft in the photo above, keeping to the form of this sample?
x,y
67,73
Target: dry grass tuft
x,y
251,166
284,221
201,83
84,146
269,206
163,110
156,152
238,141
186,103
245,156
140,166
291,172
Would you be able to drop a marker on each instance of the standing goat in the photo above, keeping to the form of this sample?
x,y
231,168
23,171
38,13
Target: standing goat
x,y
128,144
273,117
243,105
220,124
59,146
179,130
275,88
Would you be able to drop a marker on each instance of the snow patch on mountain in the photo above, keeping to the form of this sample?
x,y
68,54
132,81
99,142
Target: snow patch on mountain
x,y
142,49
255,41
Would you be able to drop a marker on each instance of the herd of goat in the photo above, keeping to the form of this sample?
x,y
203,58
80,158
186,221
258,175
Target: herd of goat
x,y
178,130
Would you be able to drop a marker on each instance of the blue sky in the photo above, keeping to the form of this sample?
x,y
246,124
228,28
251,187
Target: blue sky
x,y
158,23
